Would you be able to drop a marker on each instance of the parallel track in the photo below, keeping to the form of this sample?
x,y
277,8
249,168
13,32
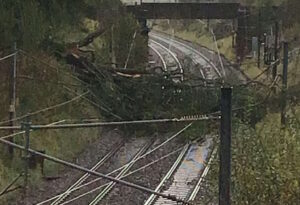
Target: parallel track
x,y
207,68
122,173
153,197
170,56
82,179
169,59
204,173
187,168
160,57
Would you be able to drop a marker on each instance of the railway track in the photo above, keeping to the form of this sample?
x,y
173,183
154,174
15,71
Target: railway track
x,y
168,57
205,66
121,174
68,198
88,190
82,179
203,175
185,171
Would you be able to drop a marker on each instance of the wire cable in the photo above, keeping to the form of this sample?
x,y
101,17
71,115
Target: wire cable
x,y
55,68
97,179
8,56
130,173
95,104
45,109
130,49
47,82
22,132
116,123
83,169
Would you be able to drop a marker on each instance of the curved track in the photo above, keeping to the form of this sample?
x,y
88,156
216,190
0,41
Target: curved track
x,y
168,58
205,66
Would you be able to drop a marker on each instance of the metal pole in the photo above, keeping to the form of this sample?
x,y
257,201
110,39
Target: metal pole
x,y
284,82
225,147
27,127
12,106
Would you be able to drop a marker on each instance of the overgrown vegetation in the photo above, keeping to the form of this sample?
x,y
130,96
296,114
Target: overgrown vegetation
x,y
47,32
97,38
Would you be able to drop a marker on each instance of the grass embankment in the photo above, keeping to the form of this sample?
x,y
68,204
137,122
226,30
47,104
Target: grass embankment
x,y
40,86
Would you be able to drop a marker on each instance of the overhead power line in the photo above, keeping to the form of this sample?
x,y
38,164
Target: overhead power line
x,y
100,187
85,170
22,132
100,124
129,163
94,104
8,56
45,109
53,67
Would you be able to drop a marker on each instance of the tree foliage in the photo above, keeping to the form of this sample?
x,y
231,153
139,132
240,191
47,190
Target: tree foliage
x,y
30,23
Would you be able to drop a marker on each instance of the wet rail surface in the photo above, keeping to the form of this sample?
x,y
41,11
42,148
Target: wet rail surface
x,y
186,176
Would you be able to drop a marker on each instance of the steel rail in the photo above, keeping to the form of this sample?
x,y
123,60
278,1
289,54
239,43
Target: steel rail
x,y
83,169
198,185
156,148
195,51
99,124
93,181
191,49
109,187
86,175
167,176
146,154
171,53
201,72
160,56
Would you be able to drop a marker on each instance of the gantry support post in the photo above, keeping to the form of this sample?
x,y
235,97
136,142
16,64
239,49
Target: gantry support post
x,y
225,147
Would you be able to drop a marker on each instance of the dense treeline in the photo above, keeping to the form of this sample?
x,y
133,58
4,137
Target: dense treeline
x,y
58,25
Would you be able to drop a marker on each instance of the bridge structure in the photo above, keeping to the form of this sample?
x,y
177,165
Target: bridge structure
x,y
204,10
